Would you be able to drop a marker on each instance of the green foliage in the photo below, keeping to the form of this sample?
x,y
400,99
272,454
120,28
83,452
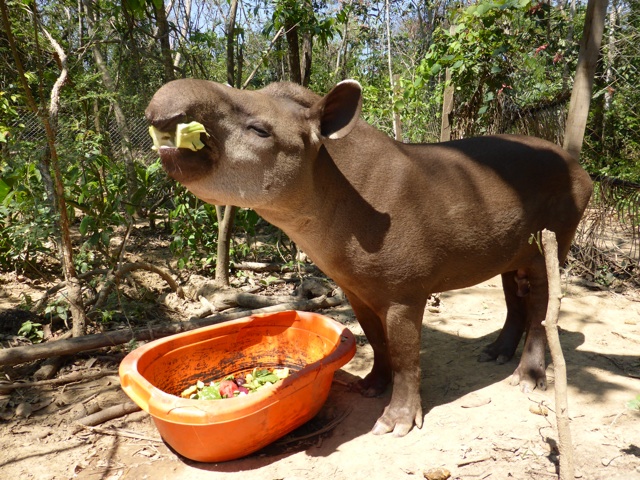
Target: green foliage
x,y
502,54
32,331
26,216
58,309
634,404
494,48
195,235
7,114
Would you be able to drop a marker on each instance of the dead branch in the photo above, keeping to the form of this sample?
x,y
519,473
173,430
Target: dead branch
x,y
62,285
114,278
231,298
29,353
274,267
72,377
565,446
109,414
119,432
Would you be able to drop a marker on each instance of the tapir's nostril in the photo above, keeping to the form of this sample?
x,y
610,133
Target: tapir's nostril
x,y
166,123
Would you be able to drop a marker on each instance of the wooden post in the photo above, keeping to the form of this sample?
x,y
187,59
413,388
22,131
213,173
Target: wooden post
x,y
565,446
583,83
447,104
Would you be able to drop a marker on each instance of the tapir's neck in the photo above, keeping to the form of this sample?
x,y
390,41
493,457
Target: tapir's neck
x,y
330,210
310,200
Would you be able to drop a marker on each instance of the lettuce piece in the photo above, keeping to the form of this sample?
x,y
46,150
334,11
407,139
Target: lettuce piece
x,y
187,136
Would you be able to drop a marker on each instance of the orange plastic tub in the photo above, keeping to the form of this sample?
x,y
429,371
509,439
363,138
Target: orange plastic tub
x,y
311,345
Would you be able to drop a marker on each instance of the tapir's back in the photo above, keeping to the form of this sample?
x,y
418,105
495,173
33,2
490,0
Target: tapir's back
x,y
467,205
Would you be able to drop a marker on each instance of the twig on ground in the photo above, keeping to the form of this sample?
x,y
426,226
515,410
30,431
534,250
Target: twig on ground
x,y
108,414
475,460
274,267
72,377
119,432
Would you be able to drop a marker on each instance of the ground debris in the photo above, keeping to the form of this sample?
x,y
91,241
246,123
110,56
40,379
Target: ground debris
x,y
437,474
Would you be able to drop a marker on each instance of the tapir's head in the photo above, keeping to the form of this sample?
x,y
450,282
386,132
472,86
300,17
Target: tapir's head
x,y
258,144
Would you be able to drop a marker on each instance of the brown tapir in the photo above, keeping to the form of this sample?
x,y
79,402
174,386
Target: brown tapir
x,y
390,222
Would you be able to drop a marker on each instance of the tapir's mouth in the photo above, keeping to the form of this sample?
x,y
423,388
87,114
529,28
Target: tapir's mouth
x,y
184,165
184,155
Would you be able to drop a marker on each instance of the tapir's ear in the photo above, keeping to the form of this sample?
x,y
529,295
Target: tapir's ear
x,y
339,110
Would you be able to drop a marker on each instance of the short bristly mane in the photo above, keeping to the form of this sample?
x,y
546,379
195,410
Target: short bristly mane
x,y
292,91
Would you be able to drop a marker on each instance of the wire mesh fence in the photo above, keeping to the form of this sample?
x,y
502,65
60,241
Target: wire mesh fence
x,y
29,131
608,242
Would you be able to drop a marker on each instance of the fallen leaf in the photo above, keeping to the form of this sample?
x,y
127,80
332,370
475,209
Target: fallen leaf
x,y
539,410
23,410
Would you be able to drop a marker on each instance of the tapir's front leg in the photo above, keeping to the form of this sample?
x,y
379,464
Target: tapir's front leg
x,y
403,327
380,376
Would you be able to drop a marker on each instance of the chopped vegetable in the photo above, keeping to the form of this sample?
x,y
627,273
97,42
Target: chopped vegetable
x,y
236,385
187,136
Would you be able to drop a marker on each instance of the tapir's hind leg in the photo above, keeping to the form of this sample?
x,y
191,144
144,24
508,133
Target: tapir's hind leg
x,y
530,372
504,347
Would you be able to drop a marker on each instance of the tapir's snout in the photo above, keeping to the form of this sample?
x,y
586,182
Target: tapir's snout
x,y
166,122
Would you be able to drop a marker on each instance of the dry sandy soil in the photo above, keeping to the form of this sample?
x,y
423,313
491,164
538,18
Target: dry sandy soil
x,y
475,424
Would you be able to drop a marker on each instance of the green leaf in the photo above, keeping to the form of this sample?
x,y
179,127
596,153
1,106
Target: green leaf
x,y
4,190
87,222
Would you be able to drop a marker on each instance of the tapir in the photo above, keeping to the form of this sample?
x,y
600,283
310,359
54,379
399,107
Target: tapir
x,y
391,223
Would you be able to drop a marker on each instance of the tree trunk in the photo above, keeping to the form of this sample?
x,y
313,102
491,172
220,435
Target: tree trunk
x,y
609,77
163,38
307,49
183,31
230,32
393,79
52,164
121,120
447,103
583,83
447,108
225,231
226,217
291,33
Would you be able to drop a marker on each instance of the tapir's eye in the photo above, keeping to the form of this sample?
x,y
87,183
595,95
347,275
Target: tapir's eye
x,y
259,130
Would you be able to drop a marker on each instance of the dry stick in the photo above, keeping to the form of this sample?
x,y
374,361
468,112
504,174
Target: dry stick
x,y
74,377
274,267
565,446
118,432
109,414
29,353
264,56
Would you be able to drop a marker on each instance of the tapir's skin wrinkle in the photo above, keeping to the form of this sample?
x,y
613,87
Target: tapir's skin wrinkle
x,y
390,222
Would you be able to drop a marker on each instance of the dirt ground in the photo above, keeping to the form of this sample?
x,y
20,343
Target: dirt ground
x,y
476,425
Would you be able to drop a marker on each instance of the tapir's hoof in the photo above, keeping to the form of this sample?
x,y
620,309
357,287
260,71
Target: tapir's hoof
x,y
398,423
371,386
493,353
490,357
529,379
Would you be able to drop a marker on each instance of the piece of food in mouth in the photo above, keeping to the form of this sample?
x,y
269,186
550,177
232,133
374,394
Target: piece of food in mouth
x,y
187,135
